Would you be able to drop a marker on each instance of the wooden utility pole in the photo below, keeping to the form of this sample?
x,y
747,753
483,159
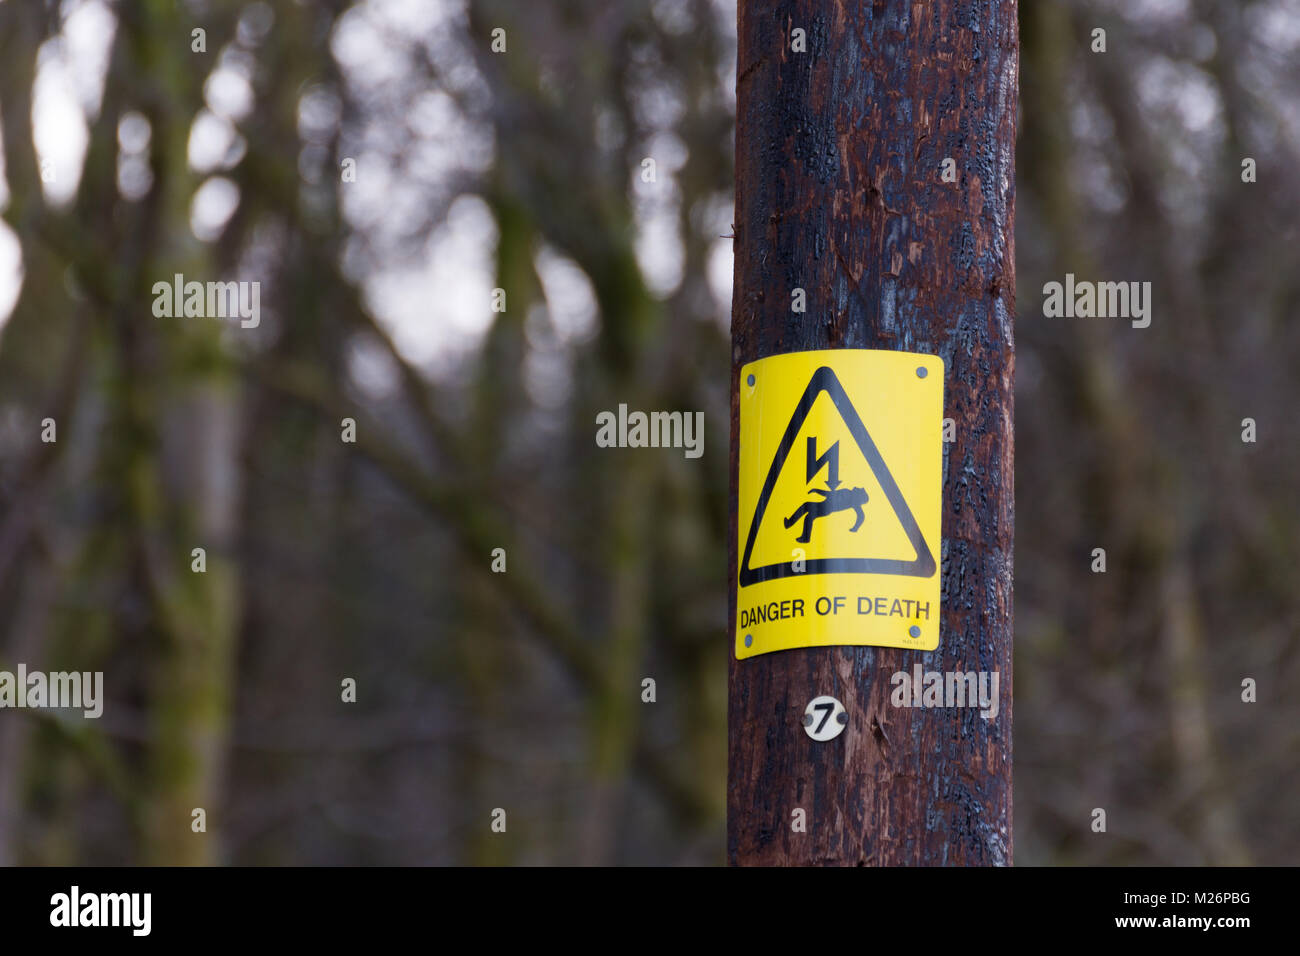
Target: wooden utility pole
x,y
844,135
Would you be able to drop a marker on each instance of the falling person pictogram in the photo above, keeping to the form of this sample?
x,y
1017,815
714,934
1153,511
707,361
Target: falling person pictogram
x,y
833,500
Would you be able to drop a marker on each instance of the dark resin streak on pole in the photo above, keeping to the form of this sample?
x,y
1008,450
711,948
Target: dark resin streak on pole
x,y
839,156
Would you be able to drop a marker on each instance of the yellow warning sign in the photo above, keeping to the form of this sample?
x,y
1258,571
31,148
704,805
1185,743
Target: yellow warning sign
x,y
841,480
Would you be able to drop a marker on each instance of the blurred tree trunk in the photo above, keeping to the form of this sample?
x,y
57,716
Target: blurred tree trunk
x,y
178,415
839,152
193,675
1127,469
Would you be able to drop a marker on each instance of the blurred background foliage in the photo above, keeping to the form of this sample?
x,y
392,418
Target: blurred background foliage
x,y
130,157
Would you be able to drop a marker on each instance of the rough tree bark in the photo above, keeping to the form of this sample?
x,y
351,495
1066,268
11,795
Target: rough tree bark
x,y
839,190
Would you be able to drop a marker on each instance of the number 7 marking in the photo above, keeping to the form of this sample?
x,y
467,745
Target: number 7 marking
x,y
827,708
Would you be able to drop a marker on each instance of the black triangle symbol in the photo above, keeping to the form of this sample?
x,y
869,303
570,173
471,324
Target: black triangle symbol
x,y
824,380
